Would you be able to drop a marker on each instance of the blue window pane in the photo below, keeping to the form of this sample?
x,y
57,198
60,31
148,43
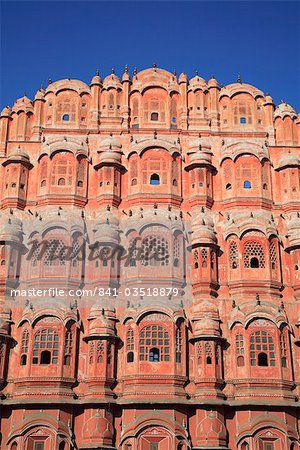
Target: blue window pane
x,y
247,184
243,120
154,179
66,118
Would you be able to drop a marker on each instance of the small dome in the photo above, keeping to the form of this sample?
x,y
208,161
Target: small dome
x,y
110,143
112,80
197,82
98,430
23,104
269,99
204,235
19,153
107,228
110,157
213,82
100,324
40,95
183,78
283,110
288,159
207,327
200,158
5,111
96,79
11,229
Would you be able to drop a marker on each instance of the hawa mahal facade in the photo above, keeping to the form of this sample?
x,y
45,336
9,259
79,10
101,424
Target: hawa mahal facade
x,y
209,177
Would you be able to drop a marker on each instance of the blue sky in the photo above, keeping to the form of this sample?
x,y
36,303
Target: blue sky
x,y
259,40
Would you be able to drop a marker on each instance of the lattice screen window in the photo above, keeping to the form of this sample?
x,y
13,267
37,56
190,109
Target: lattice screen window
x,y
66,107
75,255
46,345
254,255
176,251
204,255
155,251
35,253
99,351
55,253
62,171
154,166
273,255
218,354
68,347
195,259
109,353
262,351
208,352
199,352
152,106
240,350
247,172
81,172
178,345
91,351
24,347
130,340
242,110
154,337
283,350
233,255
173,111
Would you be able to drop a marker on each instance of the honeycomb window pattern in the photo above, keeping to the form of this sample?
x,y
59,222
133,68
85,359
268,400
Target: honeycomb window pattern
x,y
55,254
261,342
254,250
155,251
233,255
154,336
46,339
273,255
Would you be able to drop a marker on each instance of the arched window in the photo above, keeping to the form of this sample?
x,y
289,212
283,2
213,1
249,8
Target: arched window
x,y
245,446
133,182
55,253
254,255
45,357
178,345
100,352
204,255
247,184
62,169
43,183
208,352
233,255
154,339
154,354
68,347
130,345
154,179
262,359
14,446
239,345
155,251
130,357
283,350
273,255
45,339
228,186
195,258
154,116
66,117
24,348
262,351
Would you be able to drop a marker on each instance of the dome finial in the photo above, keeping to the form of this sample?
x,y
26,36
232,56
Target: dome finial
x,y
97,72
197,73
113,71
213,76
49,80
126,68
135,71
175,73
154,66
239,79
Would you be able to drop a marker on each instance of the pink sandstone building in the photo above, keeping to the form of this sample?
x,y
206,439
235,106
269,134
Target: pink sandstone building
x,y
194,348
